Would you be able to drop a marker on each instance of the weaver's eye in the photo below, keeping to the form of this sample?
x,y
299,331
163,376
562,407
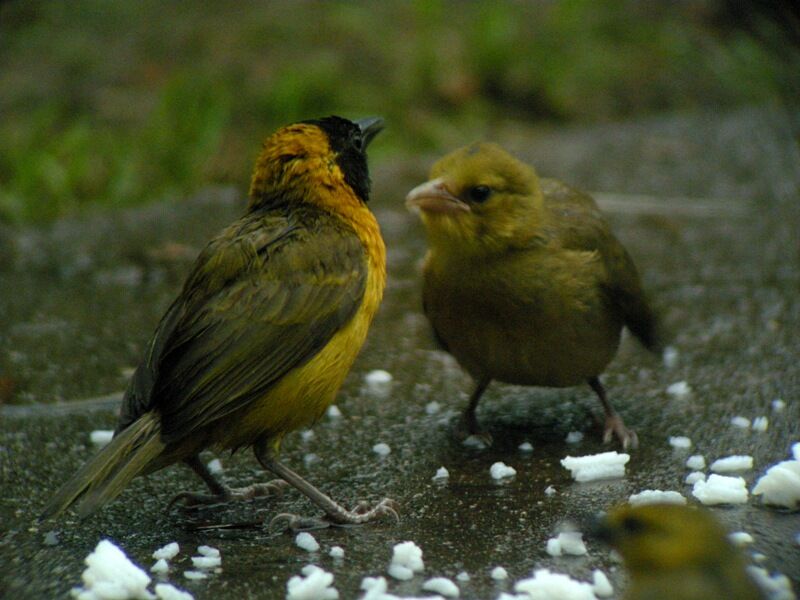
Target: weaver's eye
x,y
632,525
479,193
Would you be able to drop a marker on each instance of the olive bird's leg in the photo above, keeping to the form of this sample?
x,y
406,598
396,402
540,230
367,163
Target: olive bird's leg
x,y
614,424
335,514
468,425
221,493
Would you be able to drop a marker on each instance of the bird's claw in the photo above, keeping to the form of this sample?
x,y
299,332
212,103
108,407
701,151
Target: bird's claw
x,y
469,433
615,426
342,517
257,490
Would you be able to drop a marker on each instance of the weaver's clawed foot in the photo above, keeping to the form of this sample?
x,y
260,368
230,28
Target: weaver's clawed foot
x,y
469,433
616,426
257,490
340,516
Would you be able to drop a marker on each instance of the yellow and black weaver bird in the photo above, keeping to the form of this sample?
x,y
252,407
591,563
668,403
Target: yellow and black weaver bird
x,y
676,552
267,325
523,281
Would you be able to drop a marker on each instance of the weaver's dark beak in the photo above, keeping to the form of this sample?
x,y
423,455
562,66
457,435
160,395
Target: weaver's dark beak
x,y
370,127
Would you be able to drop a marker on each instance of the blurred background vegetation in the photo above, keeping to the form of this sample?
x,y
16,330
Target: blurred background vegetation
x,y
111,103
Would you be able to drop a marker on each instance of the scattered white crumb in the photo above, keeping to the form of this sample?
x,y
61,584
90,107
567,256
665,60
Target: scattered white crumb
x,y
720,489
499,470
656,497
314,584
215,466
601,585
778,405
381,449
694,476
167,591
732,463
207,551
333,412
499,574
680,441
432,408
406,560
306,541
336,552
573,437
400,572
740,538
780,485
777,586
475,441
110,574
310,458
679,389
525,447
206,563
161,566
567,542
554,586
758,557
194,575
167,552
443,586
741,422
606,465
553,547
462,577
307,435
760,424
375,588
378,382
549,491
696,462
51,538
670,357
101,437
441,473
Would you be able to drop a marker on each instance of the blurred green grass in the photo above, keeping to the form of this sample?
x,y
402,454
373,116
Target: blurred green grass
x,y
114,103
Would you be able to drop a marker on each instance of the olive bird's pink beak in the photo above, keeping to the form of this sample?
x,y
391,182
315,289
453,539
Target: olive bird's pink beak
x,y
434,197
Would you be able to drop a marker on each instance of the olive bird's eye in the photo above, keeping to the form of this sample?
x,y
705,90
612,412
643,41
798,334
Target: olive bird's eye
x,y
632,525
479,193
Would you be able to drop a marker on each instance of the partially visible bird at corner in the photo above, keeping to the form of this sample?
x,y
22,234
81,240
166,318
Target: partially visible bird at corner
x,y
524,282
266,327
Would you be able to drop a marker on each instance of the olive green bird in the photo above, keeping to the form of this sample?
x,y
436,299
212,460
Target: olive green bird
x,y
523,281
265,329
676,552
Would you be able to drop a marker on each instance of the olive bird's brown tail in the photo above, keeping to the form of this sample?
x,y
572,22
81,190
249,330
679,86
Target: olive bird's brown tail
x,y
101,479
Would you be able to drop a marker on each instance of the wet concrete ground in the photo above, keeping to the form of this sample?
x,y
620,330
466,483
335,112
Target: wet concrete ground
x,y
708,207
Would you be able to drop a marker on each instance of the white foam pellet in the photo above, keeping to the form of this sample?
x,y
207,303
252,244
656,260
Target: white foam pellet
x,y
161,566
310,458
780,485
406,560
525,447
215,466
694,476
680,441
720,489
500,470
336,552
51,538
307,435
314,584
573,437
741,422
499,574
375,588
760,424
732,463
656,497
778,405
443,586
679,389
432,408
572,543
758,557
553,547
101,437
463,577
333,412
477,442
110,574
606,465
167,552
553,586
195,575
381,449
549,491
400,572
206,562
670,357
740,538
167,591
306,541
601,585
207,551
441,473
696,462
776,587
378,382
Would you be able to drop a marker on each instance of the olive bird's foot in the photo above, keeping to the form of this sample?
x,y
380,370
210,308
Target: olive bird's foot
x,y
340,516
615,426
469,433
257,490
